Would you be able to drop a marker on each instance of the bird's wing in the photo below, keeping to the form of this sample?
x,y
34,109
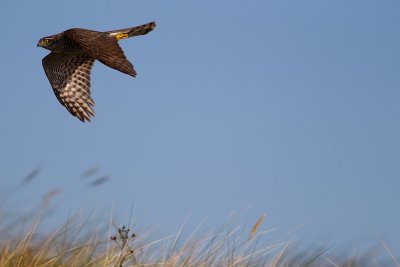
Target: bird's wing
x,y
133,31
102,47
69,75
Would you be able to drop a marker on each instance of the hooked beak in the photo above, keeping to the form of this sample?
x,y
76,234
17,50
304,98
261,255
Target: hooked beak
x,y
40,43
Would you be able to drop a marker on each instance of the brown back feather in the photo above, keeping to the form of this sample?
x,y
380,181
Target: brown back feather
x,y
102,47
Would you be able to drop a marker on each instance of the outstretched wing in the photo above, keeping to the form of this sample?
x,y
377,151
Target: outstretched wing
x,y
69,75
102,47
133,31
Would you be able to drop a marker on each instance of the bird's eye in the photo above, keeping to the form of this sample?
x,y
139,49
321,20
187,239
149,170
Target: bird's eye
x,y
46,41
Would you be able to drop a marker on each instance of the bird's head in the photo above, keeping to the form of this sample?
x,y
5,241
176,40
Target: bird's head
x,y
48,42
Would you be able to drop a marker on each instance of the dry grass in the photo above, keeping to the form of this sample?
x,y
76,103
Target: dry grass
x,y
73,246
77,244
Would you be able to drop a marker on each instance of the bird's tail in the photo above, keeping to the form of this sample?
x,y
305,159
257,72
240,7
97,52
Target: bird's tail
x,y
133,31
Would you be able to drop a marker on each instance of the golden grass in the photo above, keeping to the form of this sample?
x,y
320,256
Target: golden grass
x,y
62,247
77,244
74,246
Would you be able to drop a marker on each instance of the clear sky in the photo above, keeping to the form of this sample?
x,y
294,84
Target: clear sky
x,y
289,107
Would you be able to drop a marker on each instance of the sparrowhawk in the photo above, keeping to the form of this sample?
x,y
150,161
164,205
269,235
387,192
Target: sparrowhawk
x,y
72,56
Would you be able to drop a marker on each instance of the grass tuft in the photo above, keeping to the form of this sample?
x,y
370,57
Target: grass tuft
x,y
77,244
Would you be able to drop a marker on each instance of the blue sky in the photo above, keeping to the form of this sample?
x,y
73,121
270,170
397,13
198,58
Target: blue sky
x,y
289,107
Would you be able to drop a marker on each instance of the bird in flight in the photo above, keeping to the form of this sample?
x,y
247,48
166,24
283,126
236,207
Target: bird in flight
x,y
71,59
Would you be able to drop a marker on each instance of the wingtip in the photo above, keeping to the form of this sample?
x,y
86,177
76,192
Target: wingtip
x,y
84,119
79,116
82,114
132,73
87,117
